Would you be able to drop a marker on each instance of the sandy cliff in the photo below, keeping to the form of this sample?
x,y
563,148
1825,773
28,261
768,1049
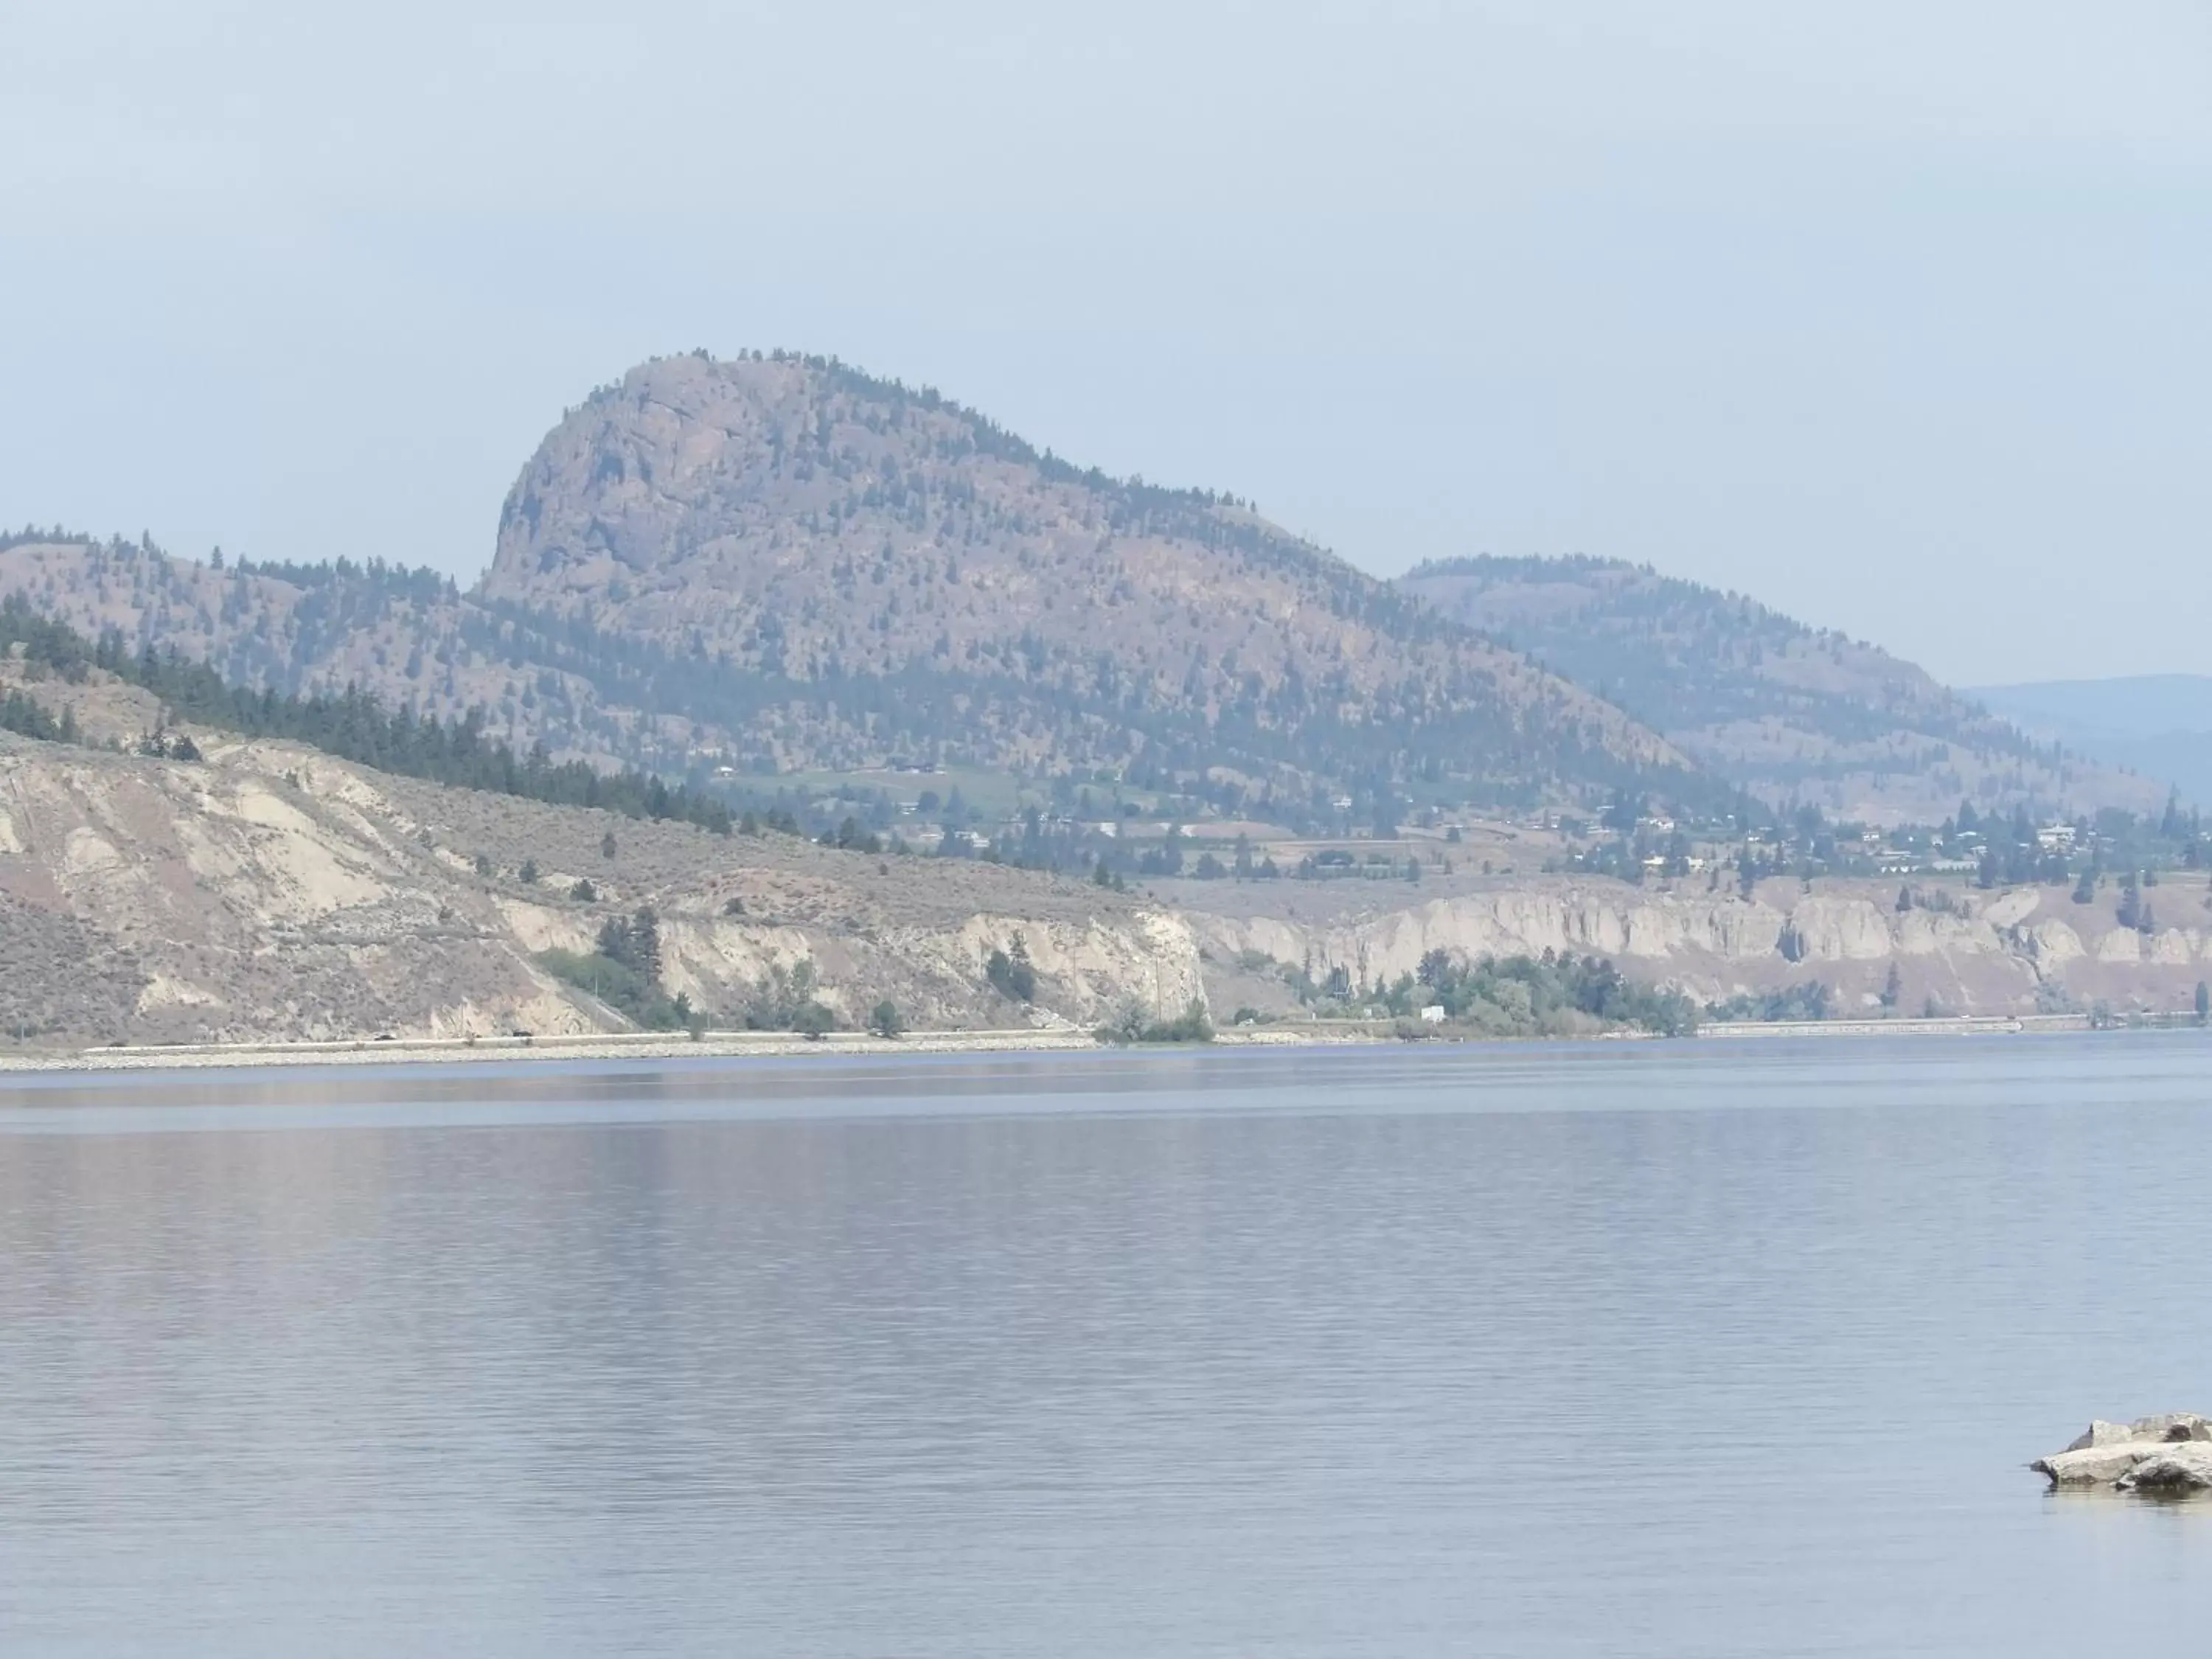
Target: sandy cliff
x,y
2009,952
270,892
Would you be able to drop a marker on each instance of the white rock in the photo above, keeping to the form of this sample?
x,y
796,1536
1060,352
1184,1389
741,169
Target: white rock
x,y
2101,1433
2097,1466
2174,1425
2168,1453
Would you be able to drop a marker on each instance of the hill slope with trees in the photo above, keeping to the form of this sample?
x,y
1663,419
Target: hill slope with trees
x,y
915,582
1793,714
774,564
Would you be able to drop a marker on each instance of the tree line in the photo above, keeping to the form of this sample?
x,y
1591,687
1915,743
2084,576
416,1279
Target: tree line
x,y
350,725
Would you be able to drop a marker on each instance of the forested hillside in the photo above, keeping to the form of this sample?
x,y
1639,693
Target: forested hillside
x,y
774,564
916,583
1791,713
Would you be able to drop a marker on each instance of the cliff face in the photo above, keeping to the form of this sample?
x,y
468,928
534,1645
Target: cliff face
x,y
2009,952
270,892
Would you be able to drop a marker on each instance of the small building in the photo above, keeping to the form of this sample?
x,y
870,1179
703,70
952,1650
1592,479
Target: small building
x,y
1433,1014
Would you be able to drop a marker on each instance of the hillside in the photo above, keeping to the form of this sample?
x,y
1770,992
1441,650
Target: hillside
x,y
408,638
268,892
848,573
1788,712
2158,725
778,565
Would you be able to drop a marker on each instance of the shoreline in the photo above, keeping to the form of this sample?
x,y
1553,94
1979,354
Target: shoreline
x,y
611,1045
739,1045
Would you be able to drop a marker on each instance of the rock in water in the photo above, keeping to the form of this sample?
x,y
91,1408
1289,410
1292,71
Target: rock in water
x,y
2166,1454
2096,1465
2176,1470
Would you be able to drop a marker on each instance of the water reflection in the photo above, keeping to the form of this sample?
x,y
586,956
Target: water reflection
x,y
1523,1352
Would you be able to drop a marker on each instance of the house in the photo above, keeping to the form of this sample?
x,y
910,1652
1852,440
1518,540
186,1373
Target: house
x,y
1433,1014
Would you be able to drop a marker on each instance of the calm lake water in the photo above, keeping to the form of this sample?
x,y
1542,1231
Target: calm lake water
x,y
1668,1349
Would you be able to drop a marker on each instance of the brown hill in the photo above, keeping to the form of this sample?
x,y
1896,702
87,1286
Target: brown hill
x,y
913,581
779,564
1790,713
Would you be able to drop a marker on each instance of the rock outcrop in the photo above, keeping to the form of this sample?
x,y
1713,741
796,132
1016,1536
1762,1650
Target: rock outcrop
x,y
2170,1455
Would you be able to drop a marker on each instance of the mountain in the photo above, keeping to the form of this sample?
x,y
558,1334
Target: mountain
x,y
778,564
850,572
1790,713
2158,725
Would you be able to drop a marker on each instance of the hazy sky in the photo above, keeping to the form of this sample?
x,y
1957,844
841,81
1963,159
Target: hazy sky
x,y
1897,314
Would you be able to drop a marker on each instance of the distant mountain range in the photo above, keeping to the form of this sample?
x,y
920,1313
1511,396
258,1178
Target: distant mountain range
x,y
774,564
1792,713
2158,725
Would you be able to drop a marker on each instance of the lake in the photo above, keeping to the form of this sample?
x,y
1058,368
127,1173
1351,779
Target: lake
x,y
1616,1349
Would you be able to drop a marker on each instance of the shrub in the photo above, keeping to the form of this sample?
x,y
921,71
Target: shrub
x,y
884,1020
621,987
785,1001
1011,975
1131,1025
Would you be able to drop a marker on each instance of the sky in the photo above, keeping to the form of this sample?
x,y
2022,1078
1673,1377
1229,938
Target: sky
x,y
1897,316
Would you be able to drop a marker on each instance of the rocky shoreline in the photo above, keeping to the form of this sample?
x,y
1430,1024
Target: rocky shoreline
x,y
2168,1457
